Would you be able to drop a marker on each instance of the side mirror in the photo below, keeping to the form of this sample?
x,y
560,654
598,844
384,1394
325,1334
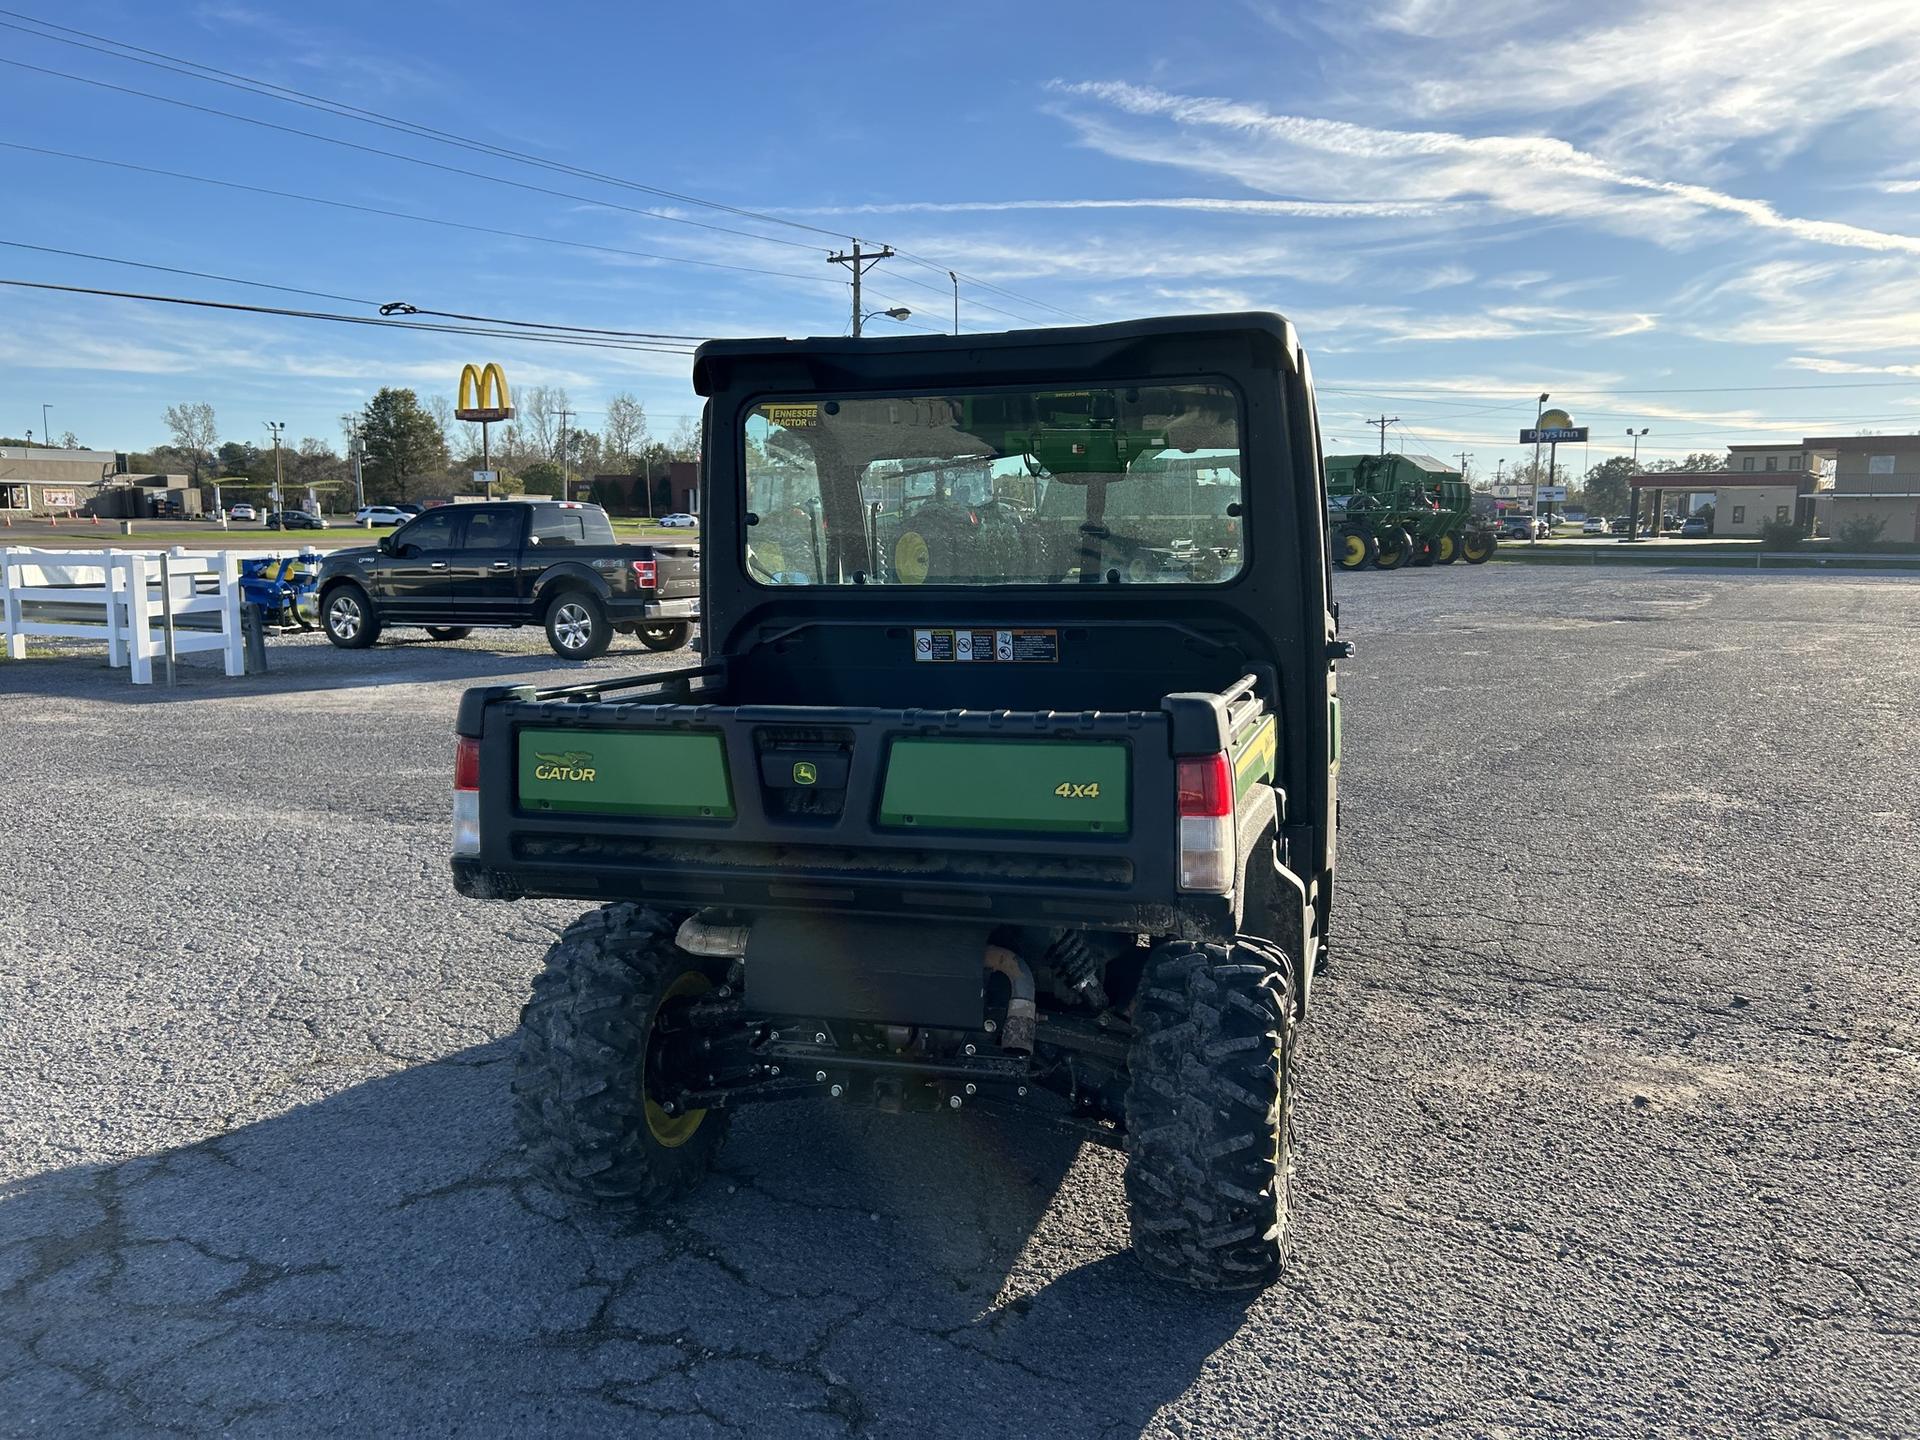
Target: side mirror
x,y
385,544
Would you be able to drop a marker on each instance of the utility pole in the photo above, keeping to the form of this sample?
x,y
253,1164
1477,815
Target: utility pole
x,y
276,426
566,470
46,431
1533,526
859,264
1465,455
956,301
1381,425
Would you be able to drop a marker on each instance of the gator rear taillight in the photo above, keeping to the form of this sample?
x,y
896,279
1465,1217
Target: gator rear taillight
x,y
1206,824
466,796
646,574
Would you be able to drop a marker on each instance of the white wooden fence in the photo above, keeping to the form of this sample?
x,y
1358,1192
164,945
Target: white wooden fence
x,y
138,602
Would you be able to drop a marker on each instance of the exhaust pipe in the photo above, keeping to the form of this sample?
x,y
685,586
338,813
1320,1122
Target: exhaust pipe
x,y
1022,1014
700,936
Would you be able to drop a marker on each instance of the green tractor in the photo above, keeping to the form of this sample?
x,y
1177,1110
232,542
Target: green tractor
x,y
1395,510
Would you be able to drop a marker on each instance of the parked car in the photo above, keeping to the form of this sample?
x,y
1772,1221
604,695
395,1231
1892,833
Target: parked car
x,y
242,511
1695,527
295,520
1596,525
380,515
680,520
409,508
1517,528
1623,524
552,563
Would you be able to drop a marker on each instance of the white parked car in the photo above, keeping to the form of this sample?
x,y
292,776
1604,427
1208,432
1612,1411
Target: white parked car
x,y
680,520
1596,525
381,515
242,511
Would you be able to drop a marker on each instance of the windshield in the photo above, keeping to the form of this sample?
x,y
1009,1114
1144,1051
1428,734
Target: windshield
x,y
1134,485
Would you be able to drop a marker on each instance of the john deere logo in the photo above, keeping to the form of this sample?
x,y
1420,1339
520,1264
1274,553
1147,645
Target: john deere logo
x,y
483,394
574,765
804,773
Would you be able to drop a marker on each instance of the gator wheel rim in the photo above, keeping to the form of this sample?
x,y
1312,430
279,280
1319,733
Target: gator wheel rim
x,y
344,616
573,626
1443,549
674,1131
1353,551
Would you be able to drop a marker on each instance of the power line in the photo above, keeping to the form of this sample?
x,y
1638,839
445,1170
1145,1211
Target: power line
x,y
391,308
392,214
123,50
660,349
398,155
233,79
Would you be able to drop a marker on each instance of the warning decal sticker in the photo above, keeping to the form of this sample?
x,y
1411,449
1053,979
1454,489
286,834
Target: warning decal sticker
x,y
1006,647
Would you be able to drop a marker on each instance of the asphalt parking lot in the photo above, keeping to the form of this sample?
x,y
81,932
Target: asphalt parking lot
x,y
1607,1122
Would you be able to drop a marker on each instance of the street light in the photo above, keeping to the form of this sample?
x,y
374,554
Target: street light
x,y
46,433
898,312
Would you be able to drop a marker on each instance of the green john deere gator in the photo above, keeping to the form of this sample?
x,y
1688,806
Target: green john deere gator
x,y
1007,780
1395,510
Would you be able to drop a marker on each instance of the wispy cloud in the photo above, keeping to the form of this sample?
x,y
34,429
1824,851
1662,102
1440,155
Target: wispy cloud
x,y
1533,175
1681,82
1288,209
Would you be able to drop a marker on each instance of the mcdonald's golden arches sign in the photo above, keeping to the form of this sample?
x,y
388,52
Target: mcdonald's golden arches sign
x,y
483,394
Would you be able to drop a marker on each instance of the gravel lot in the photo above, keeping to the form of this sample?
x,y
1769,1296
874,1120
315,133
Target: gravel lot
x,y
1608,1110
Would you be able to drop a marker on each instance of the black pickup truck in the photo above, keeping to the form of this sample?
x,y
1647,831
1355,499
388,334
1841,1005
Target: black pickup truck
x,y
520,562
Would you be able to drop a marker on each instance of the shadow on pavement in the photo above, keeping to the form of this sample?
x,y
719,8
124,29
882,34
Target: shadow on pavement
x,y
308,668
378,1261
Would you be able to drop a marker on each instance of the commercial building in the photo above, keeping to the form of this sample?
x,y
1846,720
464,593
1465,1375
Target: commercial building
x,y
40,481
1875,477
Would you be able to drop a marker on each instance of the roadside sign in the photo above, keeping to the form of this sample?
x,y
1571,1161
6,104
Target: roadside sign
x,y
1554,435
486,477
1553,492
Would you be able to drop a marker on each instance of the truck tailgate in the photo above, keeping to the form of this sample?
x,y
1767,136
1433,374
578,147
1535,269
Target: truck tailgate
x,y
678,571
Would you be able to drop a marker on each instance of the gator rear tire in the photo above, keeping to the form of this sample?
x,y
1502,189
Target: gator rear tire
x,y
1353,547
577,626
585,1103
1208,1109
1446,549
1477,548
664,637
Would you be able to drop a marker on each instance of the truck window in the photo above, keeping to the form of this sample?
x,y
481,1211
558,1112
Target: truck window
x,y
431,531
1137,485
491,530
585,525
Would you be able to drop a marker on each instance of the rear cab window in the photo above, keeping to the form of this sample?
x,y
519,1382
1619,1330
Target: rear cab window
x,y
1109,485
572,525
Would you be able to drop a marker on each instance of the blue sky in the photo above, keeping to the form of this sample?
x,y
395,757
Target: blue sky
x,y
1705,220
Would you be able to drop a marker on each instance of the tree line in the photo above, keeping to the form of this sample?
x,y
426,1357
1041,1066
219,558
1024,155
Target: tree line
x,y
414,451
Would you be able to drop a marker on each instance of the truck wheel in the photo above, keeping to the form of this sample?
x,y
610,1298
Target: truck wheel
x,y
1446,549
1392,548
350,619
1477,548
449,632
589,1090
664,637
577,627
1354,550
1208,1109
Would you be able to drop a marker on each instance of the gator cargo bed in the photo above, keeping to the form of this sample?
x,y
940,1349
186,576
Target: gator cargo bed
x,y
665,788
